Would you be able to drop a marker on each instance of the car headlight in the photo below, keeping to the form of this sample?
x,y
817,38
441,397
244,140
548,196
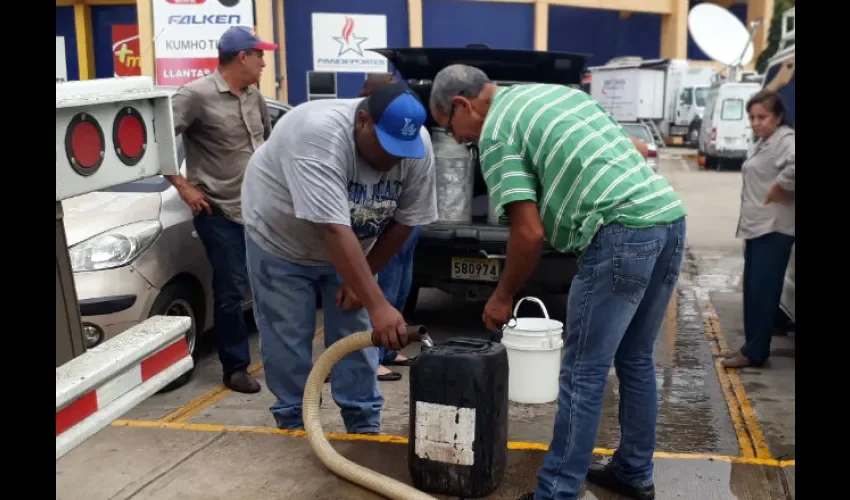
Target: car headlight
x,y
114,248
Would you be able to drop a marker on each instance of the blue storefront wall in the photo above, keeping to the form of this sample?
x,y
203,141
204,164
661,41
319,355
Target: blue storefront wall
x,y
694,52
603,35
103,17
457,23
299,43
65,27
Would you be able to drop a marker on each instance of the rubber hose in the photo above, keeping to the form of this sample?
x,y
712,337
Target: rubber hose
x,y
339,465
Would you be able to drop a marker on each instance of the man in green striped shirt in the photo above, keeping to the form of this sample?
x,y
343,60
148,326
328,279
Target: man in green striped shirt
x,y
564,170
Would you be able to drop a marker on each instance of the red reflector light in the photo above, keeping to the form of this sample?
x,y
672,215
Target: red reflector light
x,y
84,144
130,136
652,153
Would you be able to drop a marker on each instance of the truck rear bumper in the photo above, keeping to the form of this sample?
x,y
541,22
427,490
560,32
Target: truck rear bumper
x,y
728,154
440,245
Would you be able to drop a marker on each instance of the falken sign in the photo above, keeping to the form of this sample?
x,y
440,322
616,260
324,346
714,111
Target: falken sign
x,y
186,34
341,43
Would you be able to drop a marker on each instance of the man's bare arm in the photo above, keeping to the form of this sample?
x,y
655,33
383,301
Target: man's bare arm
x,y
388,245
185,106
348,259
525,243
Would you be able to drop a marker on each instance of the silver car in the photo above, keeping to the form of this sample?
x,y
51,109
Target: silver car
x,y
134,253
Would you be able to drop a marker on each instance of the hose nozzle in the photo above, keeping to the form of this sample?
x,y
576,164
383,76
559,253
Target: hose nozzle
x,y
415,333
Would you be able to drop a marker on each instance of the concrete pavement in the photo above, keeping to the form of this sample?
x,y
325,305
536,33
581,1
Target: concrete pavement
x,y
719,436
165,464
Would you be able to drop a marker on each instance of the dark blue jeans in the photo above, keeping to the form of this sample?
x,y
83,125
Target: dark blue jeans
x,y
615,309
395,279
224,241
285,310
765,263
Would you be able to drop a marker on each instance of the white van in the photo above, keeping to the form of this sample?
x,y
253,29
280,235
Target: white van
x,y
725,134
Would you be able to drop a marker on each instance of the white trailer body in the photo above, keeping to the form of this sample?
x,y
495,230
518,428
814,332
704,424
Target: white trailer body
x,y
668,92
630,94
109,131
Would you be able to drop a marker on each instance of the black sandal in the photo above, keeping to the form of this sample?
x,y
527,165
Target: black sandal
x,y
389,377
406,362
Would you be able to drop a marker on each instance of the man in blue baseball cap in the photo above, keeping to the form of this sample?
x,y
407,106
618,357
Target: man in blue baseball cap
x,y
328,200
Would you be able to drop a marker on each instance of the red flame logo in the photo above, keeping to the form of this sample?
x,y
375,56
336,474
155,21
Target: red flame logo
x,y
348,29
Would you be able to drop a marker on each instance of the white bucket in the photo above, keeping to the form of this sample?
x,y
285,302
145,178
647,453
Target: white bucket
x,y
534,347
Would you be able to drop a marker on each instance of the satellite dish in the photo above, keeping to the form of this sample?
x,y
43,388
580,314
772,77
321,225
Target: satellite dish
x,y
720,35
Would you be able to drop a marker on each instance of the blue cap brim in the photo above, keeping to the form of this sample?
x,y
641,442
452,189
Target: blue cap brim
x,y
403,149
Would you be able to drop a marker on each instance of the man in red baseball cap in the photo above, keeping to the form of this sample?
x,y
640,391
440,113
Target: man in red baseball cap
x,y
240,45
224,119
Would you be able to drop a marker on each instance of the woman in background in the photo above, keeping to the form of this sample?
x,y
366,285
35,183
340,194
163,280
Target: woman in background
x,y
766,224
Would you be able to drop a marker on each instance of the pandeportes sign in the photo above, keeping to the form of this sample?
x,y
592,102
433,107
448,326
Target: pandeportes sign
x,y
341,43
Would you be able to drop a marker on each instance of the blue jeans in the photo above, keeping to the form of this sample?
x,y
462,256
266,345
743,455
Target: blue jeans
x,y
615,309
395,279
224,242
285,311
765,263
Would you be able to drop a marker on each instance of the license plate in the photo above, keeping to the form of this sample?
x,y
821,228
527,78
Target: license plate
x,y
475,269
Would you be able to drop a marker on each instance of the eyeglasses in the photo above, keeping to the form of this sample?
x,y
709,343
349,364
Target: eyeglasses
x,y
449,129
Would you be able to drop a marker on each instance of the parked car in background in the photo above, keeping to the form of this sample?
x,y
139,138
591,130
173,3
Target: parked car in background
x,y
135,254
642,133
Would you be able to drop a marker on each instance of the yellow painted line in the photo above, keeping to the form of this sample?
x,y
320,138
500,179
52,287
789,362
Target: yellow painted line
x,y
738,423
733,390
748,412
388,439
670,327
209,398
205,400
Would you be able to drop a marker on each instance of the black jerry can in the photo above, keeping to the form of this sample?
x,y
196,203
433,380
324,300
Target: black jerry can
x,y
459,418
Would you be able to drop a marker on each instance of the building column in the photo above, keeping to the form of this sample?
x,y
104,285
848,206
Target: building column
x,y
541,25
674,31
759,10
85,45
280,20
265,30
414,22
144,15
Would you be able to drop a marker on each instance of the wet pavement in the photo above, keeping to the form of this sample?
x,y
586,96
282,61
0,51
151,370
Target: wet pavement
x,y
719,431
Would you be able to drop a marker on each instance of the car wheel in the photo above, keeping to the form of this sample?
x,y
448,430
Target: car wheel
x,y
181,299
693,136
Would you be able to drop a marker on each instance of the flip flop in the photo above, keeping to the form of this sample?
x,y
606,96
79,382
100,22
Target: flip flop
x,y
406,362
389,377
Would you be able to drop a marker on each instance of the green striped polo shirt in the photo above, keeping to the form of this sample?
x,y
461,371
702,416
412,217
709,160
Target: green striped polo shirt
x,y
558,147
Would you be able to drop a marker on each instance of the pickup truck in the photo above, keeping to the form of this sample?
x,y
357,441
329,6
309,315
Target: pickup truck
x,y
466,260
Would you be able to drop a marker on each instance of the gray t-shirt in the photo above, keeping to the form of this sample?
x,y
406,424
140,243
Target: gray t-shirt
x,y
309,172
